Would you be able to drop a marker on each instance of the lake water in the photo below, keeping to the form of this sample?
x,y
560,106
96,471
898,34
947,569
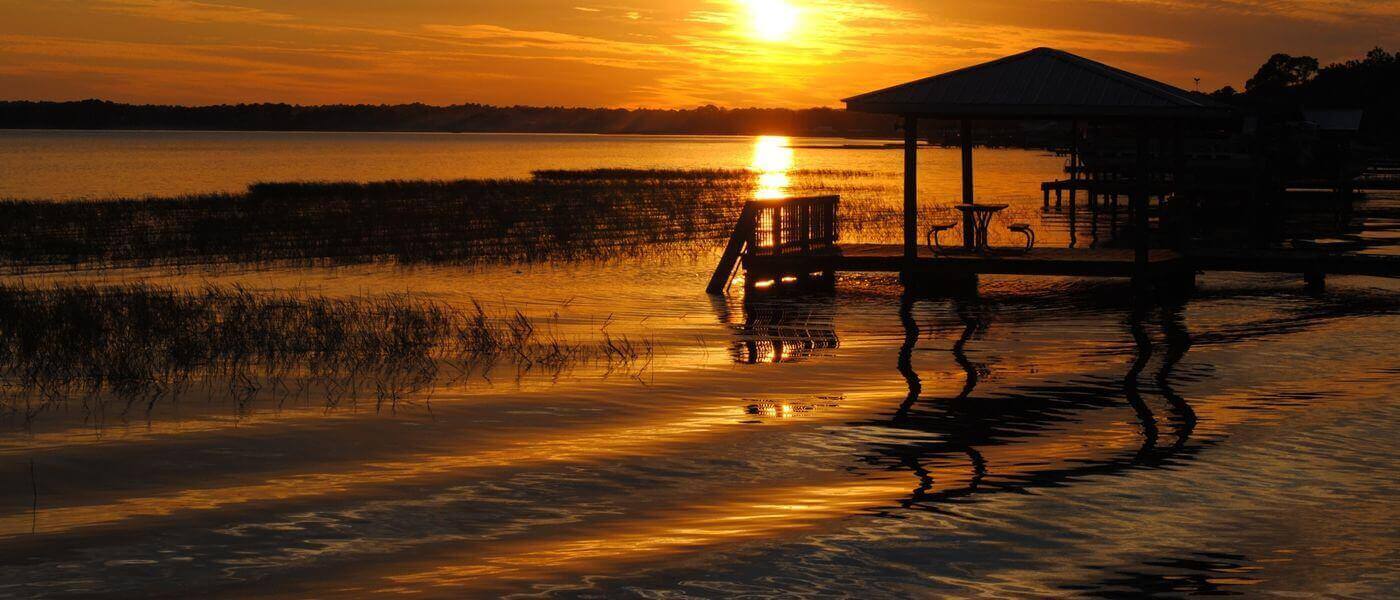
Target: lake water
x,y
102,164
1045,437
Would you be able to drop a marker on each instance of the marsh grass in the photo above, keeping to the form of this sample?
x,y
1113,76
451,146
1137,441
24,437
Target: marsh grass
x,y
139,344
555,215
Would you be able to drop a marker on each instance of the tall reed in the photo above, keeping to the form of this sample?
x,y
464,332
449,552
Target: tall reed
x,y
140,343
556,215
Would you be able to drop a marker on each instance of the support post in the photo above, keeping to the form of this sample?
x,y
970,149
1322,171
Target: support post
x,y
911,189
1179,206
1073,162
969,228
1138,204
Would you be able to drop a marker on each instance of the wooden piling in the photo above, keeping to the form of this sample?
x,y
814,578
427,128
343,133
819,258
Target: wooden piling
x,y
911,187
969,228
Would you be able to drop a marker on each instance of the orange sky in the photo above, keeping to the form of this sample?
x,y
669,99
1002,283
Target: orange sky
x,y
629,52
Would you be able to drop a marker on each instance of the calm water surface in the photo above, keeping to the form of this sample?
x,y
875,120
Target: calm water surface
x,y
104,164
1045,437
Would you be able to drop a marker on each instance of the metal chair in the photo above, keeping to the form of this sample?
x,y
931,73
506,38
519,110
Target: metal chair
x,y
931,239
1024,229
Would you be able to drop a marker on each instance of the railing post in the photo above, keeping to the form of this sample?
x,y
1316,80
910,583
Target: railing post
x,y
831,235
777,228
805,224
829,231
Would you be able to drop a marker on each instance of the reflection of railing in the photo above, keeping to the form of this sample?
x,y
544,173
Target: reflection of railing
x,y
778,333
782,344
794,225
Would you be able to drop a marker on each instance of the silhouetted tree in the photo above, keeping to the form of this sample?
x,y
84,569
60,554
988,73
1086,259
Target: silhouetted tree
x,y
1282,71
1287,84
1224,94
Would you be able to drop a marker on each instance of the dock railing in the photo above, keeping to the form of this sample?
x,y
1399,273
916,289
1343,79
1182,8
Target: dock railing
x,y
794,225
775,227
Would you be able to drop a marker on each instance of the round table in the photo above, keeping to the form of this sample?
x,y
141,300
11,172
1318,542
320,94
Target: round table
x,y
981,218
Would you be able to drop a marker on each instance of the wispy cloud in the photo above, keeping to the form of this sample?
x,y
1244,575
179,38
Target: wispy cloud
x,y
1323,11
187,11
625,52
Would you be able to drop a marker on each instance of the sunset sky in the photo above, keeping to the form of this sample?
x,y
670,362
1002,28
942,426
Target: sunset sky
x,y
672,53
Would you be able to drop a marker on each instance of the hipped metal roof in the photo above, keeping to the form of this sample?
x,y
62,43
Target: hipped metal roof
x,y
1335,119
1040,83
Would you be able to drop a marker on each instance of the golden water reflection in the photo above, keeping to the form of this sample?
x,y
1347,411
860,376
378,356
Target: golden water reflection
x,y
772,159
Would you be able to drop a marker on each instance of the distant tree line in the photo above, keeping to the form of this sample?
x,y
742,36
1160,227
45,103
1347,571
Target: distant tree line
x,y
101,114
1282,86
1286,84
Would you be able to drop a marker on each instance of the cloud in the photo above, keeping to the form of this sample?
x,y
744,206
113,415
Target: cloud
x,y
1323,11
634,52
504,42
187,11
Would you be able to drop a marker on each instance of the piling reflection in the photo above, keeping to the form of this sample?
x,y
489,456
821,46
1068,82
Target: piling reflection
x,y
1178,342
906,356
1196,574
1131,391
1033,435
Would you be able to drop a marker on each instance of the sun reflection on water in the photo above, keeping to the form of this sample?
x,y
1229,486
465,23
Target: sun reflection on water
x,y
772,159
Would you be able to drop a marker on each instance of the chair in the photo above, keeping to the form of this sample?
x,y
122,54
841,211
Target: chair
x,y
931,240
1024,229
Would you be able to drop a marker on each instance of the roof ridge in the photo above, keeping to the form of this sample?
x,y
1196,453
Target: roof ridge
x,y
1035,80
1146,84
958,71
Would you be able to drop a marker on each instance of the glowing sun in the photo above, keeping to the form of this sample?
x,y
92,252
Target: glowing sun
x,y
772,20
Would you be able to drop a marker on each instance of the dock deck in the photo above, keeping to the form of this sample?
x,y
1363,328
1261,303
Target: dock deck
x,y
1083,262
795,239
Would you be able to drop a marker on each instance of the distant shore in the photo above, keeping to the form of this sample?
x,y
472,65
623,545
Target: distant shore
x,y
102,115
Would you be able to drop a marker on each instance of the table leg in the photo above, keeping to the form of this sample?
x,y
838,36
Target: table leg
x,y
983,223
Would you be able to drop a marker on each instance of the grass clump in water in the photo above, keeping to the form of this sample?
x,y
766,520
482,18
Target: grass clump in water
x,y
556,215
521,220
139,343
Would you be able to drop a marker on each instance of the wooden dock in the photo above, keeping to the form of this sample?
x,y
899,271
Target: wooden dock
x,y
889,258
795,240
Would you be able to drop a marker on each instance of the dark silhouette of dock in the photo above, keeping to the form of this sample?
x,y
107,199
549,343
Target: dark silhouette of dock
x,y
1158,146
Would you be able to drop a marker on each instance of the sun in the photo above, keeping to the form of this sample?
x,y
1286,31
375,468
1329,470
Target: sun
x,y
772,20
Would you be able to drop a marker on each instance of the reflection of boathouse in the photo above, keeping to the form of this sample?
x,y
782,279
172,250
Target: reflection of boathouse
x,y
1010,440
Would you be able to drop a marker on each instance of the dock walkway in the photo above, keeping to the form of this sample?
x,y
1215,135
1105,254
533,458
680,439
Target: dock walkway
x,y
889,258
794,240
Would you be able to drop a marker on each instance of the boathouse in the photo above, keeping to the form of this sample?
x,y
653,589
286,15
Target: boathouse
x,y
1140,151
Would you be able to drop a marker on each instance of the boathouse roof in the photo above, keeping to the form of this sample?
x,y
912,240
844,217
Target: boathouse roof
x,y
1040,83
